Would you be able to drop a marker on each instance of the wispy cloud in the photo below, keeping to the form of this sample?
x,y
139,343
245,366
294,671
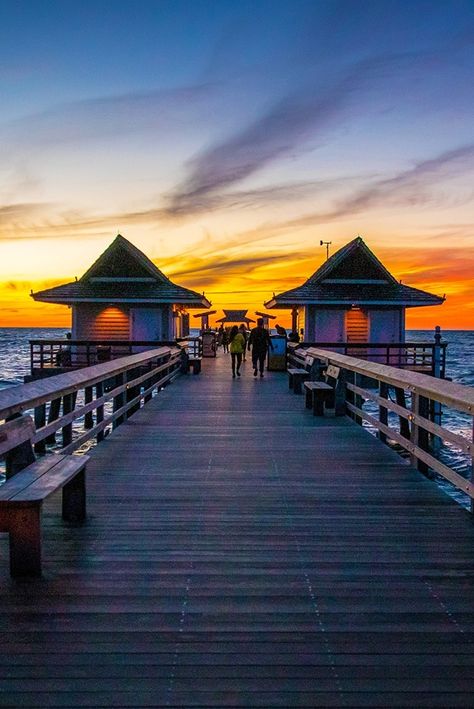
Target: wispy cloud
x,y
411,187
19,213
103,117
311,111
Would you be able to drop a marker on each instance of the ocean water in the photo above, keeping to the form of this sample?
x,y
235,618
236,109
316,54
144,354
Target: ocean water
x,y
15,364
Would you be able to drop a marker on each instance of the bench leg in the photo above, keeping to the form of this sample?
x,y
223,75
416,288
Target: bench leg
x,y
25,541
74,499
323,403
297,382
308,399
318,402
330,405
290,381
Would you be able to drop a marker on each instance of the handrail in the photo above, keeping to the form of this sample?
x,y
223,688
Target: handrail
x,y
67,354
123,384
457,396
420,430
429,356
17,399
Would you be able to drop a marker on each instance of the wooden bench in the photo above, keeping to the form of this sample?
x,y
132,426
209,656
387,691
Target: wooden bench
x,y
30,483
321,396
297,375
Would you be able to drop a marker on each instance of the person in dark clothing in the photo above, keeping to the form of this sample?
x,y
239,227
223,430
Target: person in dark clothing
x,y
259,341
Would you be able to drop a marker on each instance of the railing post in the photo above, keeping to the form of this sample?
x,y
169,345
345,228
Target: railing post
x,y
99,391
118,400
415,402
132,391
40,420
53,415
401,401
350,396
418,435
436,409
68,405
88,418
149,396
383,411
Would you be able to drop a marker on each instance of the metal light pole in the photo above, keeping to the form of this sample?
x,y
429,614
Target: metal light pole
x,y
326,244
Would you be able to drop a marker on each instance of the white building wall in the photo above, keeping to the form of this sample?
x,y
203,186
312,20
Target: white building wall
x,y
147,324
329,325
385,325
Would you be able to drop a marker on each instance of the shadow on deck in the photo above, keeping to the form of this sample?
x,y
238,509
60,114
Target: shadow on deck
x,y
239,552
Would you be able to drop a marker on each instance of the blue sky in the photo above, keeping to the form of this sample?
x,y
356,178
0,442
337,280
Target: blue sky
x,y
237,132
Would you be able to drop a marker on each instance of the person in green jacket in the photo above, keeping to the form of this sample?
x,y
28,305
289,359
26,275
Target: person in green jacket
x,y
237,346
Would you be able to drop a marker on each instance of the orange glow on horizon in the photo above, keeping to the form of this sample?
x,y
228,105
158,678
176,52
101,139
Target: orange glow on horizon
x,y
249,288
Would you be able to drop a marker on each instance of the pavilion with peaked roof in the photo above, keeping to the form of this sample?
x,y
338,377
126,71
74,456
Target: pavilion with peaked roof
x,y
235,316
204,317
124,296
352,297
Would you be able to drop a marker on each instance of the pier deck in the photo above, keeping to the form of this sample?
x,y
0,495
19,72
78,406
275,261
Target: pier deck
x,y
240,552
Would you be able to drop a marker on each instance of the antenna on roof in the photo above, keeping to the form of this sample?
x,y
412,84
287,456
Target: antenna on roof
x,y
326,244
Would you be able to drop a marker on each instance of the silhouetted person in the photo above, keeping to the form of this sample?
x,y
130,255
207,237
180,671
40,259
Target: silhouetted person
x,y
237,348
225,340
280,330
243,332
259,342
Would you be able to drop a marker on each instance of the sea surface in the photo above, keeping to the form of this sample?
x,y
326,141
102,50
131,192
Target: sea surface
x,y
15,364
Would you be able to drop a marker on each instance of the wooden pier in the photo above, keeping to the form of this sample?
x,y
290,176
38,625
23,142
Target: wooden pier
x,y
240,552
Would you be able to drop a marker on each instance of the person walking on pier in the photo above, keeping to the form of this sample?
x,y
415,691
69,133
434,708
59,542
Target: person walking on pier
x,y
237,346
243,332
225,340
260,342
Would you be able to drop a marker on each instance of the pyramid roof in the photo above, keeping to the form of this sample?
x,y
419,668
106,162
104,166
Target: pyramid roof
x,y
122,274
353,276
235,316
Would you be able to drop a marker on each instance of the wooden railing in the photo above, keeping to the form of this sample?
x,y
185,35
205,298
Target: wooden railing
x,y
83,403
65,354
427,357
417,408
193,346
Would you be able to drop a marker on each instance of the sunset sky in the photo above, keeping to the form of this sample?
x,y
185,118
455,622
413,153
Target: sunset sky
x,y
225,139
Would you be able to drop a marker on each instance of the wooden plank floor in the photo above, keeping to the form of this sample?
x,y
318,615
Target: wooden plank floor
x,y
239,552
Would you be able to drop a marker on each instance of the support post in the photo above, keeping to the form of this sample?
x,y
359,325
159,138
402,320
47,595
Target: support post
x,y
383,411
40,421
401,401
68,406
88,418
99,391
118,401
132,391
53,415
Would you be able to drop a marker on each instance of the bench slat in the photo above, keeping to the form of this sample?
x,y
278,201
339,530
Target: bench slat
x,y
27,476
55,478
318,385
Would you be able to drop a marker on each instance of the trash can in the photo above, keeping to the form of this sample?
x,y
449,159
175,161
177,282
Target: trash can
x,y
276,361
